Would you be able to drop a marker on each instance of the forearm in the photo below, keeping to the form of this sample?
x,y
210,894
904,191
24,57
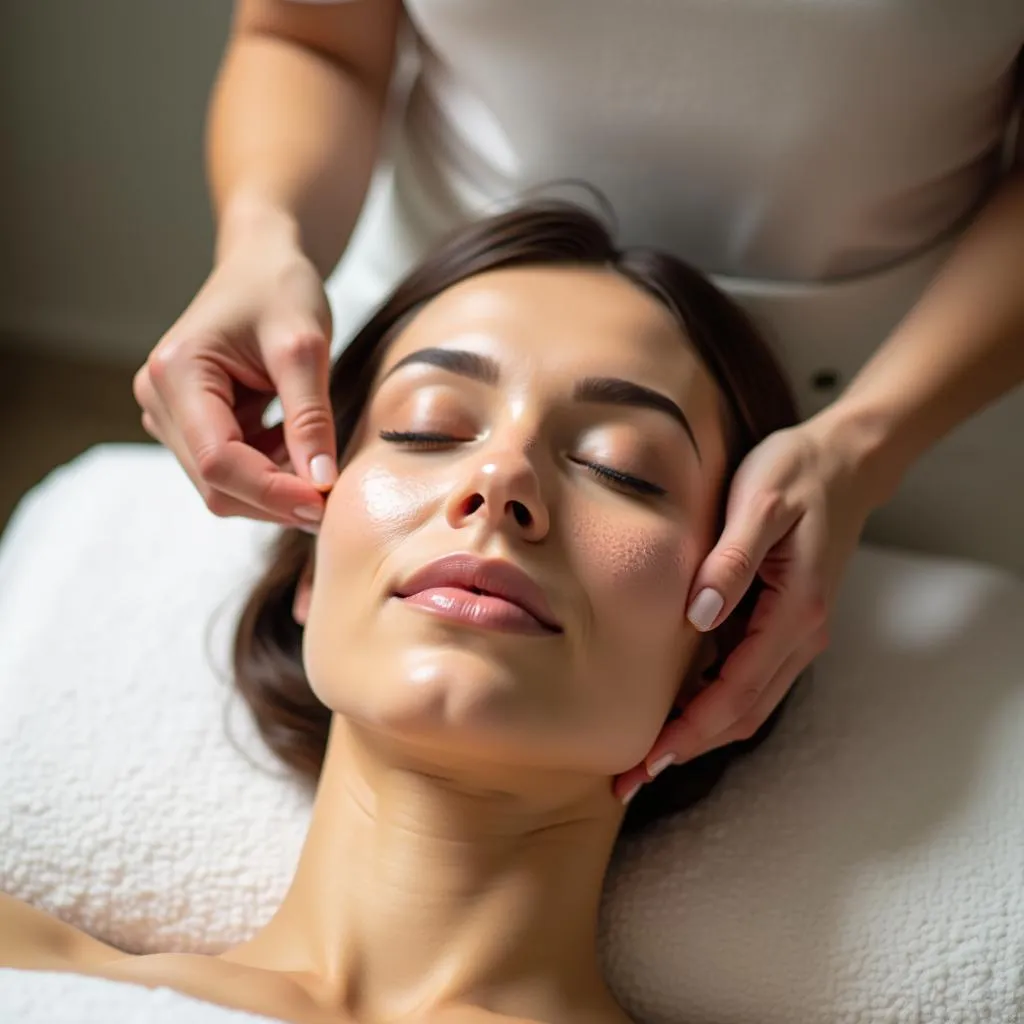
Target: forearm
x,y
960,348
292,139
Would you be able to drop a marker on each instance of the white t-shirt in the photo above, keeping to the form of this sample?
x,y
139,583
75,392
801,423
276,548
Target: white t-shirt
x,y
817,157
787,139
773,140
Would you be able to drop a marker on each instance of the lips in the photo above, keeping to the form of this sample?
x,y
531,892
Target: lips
x,y
490,577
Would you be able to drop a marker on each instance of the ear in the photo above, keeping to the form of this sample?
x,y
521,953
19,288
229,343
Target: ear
x,y
300,606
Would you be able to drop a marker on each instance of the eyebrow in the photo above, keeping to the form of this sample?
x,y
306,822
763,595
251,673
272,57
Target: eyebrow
x,y
602,390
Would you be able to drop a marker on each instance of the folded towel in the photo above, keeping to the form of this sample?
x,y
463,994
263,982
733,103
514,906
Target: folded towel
x,y
864,866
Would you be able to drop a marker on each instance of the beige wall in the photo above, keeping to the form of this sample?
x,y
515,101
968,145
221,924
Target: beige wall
x,y
105,230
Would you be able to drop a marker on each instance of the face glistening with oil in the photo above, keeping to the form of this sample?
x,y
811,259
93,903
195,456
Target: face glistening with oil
x,y
501,573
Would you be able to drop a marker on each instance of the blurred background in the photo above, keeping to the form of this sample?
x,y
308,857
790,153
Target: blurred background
x,y
105,227
106,234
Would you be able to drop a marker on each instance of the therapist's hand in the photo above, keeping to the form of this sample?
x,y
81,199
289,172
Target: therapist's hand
x,y
796,508
259,327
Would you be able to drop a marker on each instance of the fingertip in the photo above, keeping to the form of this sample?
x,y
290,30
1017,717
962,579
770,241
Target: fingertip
x,y
631,792
680,742
705,609
323,471
628,783
658,765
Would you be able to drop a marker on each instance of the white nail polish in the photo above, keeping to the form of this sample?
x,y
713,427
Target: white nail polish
x,y
705,607
631,793
322,470
660,765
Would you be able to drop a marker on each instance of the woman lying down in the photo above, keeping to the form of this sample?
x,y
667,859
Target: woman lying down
x,y
537,433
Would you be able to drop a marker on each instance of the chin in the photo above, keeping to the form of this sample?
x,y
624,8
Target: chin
x,y
456,686
421,687
459,705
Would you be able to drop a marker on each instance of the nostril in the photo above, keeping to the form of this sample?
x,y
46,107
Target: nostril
x,y
521,513
473,503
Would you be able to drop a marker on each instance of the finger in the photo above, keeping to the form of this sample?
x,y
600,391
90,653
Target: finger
x,y
772,695
679,743
218,502
155,420
209,431
729,568
150,403
299,366
226,507
788,619
780,625
156,391
627,785
789,612
712,710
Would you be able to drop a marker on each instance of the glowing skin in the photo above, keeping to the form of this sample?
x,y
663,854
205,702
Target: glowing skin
x,y
464,818
614,565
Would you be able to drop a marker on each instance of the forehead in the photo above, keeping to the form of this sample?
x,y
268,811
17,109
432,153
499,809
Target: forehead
x,y
579,320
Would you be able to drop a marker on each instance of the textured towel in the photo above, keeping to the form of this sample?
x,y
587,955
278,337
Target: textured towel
x,y
865,866
51,997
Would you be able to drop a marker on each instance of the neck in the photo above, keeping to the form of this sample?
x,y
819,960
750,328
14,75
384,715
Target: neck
x,y
417,891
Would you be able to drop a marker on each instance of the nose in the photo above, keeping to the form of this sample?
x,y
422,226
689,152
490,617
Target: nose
x,y
501,489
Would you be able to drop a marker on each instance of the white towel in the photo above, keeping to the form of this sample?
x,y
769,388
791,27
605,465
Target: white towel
x,y
52,997
865,866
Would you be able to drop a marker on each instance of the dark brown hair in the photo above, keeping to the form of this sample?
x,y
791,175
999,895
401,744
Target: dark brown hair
x,y
267,653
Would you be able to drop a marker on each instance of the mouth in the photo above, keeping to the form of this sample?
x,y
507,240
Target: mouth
x,y
491,594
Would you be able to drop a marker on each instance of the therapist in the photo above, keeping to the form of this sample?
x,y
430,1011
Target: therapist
x,y
783,144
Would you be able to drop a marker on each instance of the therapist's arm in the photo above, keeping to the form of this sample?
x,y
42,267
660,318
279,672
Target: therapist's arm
x,y
799,500
295,121
960,348
294,130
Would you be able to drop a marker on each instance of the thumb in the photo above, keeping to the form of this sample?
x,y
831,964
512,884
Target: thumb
x,y
730,567
299,366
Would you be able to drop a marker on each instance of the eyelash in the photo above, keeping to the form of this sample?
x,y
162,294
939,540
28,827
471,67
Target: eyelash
x,y
430,441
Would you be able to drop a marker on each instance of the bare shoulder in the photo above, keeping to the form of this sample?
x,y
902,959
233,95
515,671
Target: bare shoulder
x,y
32,939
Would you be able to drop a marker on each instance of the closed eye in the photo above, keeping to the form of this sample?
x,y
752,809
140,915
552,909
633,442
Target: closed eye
x,y
620,479
430,440
422,439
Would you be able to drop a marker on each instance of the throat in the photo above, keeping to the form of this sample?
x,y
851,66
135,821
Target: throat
x,y
410,895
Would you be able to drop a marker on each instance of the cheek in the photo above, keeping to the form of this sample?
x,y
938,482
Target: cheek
x,y
370,509
369,513
635,573
633,568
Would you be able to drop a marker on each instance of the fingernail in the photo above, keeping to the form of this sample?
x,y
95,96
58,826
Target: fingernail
x,y
322,470
311,513
631,793
311,530
705,607
660,765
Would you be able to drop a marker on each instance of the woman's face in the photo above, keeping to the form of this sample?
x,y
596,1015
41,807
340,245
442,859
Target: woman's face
x,y
552,429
